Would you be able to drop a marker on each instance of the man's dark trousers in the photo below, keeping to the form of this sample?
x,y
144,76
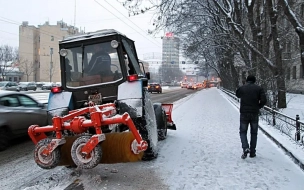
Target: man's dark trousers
x,y
245,120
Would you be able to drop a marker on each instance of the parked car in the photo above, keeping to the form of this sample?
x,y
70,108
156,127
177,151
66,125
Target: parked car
x,y
155,87
18,111
8,85
39,84
25,86
48,86
192,86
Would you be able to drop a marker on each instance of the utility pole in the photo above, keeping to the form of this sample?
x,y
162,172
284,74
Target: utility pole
x,y
51,64
75,14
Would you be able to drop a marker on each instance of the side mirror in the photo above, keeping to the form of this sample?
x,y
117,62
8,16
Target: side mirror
x,y
148,75
40,105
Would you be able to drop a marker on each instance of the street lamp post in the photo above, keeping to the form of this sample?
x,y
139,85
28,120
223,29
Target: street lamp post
x,y
51,64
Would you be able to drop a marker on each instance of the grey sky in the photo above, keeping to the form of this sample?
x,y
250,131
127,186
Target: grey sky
x,y
89,15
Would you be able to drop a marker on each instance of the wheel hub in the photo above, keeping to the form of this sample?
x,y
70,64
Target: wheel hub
x,y
84,158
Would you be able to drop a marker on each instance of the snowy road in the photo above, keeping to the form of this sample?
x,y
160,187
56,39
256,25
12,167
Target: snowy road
x,y
204,153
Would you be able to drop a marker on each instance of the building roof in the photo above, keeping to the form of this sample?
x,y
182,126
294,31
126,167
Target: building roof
x,y
90,35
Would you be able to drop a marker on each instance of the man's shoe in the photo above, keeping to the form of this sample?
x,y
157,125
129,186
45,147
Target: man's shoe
x,y
252,155
244,155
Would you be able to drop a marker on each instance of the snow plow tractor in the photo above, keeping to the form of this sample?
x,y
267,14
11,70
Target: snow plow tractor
x,y
102,112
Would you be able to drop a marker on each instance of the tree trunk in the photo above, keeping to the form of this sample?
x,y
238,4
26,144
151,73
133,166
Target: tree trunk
x,y
281,92
278,72
295,23
254,32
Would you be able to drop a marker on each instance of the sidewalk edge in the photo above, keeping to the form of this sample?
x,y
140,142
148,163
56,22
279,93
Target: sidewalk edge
x,y
289,153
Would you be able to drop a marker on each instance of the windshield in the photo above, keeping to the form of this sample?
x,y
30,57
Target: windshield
x,y
92,64
23,83
2,84
133,61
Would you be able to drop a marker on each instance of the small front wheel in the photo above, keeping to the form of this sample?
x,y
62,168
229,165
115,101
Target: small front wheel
x,y
46,162
85,161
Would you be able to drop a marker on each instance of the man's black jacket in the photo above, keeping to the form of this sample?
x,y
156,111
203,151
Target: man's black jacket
x,y
252,98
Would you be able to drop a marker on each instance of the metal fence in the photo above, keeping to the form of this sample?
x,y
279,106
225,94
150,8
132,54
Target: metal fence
x,y
293,127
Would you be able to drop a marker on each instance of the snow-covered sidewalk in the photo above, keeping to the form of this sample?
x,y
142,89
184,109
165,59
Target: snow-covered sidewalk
x,y
205,151
295,105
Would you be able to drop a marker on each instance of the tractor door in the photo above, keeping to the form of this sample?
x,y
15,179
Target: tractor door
x,y
132,63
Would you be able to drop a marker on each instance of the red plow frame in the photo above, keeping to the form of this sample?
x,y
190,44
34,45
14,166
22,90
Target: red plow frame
x,y
101,115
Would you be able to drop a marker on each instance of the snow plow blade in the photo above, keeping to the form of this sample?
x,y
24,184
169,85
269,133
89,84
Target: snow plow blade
x,y
168,109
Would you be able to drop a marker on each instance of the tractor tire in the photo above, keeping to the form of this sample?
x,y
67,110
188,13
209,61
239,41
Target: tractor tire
x,y
50,161
4,139
89,162
161,121
149,133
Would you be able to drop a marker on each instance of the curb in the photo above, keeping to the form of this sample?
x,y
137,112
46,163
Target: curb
x,y
294,158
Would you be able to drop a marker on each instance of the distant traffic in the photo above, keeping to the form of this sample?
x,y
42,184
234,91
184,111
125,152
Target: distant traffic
x,y
26,86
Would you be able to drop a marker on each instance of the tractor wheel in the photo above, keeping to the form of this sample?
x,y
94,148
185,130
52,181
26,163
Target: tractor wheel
x,y
91,160
149,132
46,162
4,139
161,121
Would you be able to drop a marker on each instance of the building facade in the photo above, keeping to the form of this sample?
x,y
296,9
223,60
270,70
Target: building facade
x,y
10,72
38,50
170,58
170,46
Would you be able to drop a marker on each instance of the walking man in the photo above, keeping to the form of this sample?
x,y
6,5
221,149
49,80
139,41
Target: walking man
x,y
252,98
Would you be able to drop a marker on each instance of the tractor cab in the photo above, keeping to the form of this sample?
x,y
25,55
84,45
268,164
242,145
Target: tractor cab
x,y
93,65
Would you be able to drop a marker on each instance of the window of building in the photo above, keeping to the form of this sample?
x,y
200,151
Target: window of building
x,y
294,72
301,71
288,47
288,74
52,38
287,51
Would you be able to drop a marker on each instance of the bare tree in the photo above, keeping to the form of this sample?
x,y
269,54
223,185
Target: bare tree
x,y
27,67
8,56
295,23
220,29
50,71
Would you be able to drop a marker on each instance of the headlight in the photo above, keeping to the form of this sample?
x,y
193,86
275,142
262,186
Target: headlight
x,y
63,52
114,44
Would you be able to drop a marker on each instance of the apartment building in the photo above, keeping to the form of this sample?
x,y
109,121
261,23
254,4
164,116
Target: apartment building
x,y
38,50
